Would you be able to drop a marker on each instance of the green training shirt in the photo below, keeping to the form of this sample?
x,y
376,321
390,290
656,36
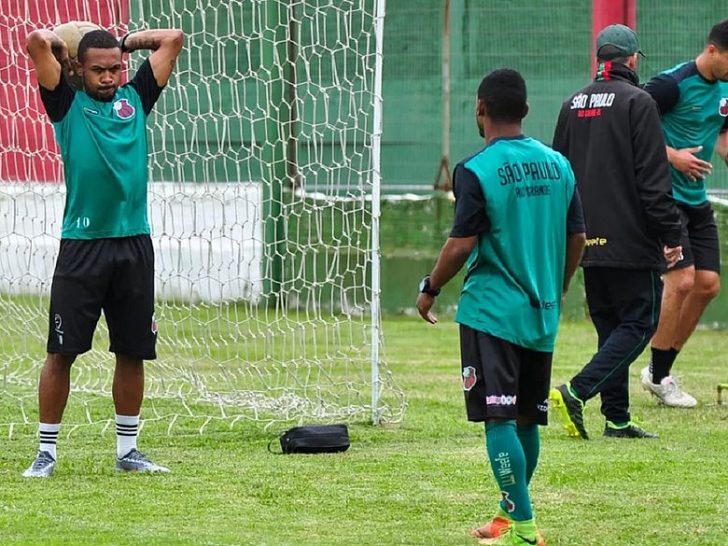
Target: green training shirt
x,y
518,196
104,150
693,112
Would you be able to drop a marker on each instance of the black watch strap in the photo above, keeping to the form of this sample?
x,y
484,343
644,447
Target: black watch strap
x,y
427,289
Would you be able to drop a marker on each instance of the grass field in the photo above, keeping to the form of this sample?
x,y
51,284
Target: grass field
x,y
425,481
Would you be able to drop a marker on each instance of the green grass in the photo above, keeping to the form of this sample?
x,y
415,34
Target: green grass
x,y
425,481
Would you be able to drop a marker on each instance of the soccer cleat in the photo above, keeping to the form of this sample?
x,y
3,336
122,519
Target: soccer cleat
x,y
572,411
493,529
511,538
631,430
42,467
668,392
136,461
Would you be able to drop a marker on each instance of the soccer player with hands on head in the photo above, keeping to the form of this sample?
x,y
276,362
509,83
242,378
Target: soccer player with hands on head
x,y
106,260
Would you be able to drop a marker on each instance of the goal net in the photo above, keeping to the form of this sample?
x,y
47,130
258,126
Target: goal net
x,y
263,202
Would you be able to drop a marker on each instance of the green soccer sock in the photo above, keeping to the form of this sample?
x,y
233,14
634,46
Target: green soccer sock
x,y
508,461
531,443
526,529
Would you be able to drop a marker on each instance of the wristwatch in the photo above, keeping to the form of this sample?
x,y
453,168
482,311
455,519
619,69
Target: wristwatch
x,y
425,287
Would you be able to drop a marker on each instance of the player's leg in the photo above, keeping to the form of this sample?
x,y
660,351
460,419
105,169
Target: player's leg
x,y
615,407
703,254
129,310
705,289
678,281
533,408
636,296
677,285
570,397
512,473
705,249
490,382
533,392
76,294
635,300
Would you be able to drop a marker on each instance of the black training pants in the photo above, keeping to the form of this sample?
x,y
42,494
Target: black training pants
x,y
624,305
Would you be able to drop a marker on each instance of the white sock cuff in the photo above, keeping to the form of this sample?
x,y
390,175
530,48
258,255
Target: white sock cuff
x,y
129,420
49,427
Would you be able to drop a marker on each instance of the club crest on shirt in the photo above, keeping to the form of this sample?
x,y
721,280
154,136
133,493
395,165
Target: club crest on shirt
x,y
469,378
123,109
723,107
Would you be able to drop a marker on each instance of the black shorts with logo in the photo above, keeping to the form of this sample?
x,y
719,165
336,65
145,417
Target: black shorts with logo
x,y
115,275
502,380
699,238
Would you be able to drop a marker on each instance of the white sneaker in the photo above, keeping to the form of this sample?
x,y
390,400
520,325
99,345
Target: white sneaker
x,y
42,467
136,461
668,392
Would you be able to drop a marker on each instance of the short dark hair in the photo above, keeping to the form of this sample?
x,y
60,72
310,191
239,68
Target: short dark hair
x,y
719,35
504,93
612,53
615,60
100,39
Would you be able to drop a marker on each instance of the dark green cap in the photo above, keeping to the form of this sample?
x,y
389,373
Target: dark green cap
x,y
617,41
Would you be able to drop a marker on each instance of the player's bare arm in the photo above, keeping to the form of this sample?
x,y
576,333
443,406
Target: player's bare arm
x,y
685,161
575,243
166,45
452,257
49,55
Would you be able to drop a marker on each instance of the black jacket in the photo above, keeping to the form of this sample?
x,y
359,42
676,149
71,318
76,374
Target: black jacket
x,y
610,132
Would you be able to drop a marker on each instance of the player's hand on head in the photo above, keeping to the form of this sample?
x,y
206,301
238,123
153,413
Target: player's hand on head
x,y
424,304
60,51
64,59
693,167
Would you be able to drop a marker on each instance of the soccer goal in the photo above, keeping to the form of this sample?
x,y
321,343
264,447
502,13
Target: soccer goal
x,y
264,205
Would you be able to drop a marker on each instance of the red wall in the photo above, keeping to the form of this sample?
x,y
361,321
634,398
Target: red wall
x,y
27,147
609,12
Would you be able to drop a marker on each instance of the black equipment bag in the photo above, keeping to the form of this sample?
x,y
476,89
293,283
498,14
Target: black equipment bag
x,y
314,439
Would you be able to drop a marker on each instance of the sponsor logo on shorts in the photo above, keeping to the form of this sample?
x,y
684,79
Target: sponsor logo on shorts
x,y
500,400
58,323
543,407
155,326
469,378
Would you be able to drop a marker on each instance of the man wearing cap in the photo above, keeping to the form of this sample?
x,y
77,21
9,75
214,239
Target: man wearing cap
x,y
692,99
610,132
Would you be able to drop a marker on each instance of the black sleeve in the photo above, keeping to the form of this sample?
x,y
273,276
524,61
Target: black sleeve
x,y
560,141
652,170
58,101
470,216
665,92
575,215
146,85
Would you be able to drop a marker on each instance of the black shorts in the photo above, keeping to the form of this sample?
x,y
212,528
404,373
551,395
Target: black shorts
x,y
113,275
699,238
502,380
